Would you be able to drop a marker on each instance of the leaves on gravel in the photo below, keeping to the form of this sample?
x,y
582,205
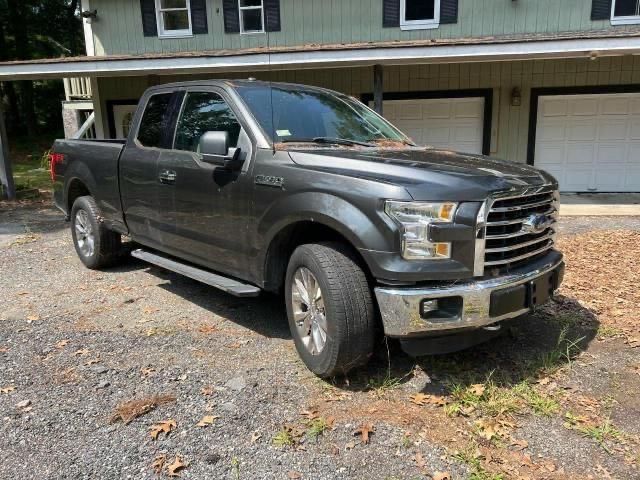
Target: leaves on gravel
x,y
365,430
425,399
165,427
207,420
8,389
129,411
441,476
158,464
175,467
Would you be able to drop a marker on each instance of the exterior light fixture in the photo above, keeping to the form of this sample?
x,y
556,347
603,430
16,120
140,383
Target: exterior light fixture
x,y
90,15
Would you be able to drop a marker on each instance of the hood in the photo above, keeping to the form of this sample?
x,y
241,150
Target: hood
x,y
427,174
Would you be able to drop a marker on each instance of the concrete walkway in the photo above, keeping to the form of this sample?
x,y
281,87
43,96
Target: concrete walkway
x,y
600,204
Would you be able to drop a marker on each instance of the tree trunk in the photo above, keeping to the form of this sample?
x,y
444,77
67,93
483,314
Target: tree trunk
x,y
73,44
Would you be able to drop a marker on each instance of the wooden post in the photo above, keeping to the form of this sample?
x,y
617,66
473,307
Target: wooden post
x,y
6,172
378,88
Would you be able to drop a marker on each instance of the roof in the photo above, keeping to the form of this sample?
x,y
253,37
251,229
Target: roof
x,y
544,45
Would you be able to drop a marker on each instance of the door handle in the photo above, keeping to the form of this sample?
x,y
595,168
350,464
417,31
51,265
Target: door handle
x,y
167,177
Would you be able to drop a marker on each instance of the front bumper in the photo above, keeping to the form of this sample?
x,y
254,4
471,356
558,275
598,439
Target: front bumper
x,y
469,304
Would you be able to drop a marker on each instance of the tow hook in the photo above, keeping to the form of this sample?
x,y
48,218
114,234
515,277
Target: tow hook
x,y
494,327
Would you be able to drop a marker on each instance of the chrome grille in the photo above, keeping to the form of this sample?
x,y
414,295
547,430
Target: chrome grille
x,y
510,237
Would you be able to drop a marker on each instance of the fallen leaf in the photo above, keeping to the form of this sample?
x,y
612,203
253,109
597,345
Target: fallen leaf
x,y
365,430
420,461
23,293
4,349
310,414
23,404
7,389
129,411
519,444
206,329
158,464
489,428
349,445
293,475
207,420
173,470
163,427
149,310
425,399
61,344
147,371
441,476
255,436
207,391
477,389
82,351
33,318
92,361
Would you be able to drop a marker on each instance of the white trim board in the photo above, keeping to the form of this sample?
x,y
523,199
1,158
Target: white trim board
x,y
566,48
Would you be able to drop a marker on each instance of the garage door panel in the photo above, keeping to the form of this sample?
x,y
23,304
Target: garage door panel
x,y
613,105
586,107
613,129
590,142
582,130
451,123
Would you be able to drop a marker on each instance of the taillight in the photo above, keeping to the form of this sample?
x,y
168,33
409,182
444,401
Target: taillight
x,y
54,159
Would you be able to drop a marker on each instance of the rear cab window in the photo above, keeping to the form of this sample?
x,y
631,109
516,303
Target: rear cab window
x,y
155,120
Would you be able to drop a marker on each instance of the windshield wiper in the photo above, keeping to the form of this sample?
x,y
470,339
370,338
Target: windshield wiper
x,y
327,140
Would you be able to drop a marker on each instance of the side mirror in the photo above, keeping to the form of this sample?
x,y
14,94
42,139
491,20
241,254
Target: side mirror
x,y
214,143
214,148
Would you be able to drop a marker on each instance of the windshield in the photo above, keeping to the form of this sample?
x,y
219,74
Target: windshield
x,y
308,115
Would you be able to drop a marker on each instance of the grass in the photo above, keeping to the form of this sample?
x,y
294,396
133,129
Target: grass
x,y
284,438
541,404
608,331
317,427
30,162
602,433
563,353
470,456
382,385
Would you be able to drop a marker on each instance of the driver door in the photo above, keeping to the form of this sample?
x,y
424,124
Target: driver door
x,y
208,205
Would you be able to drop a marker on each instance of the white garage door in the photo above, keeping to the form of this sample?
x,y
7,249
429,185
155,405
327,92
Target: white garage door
x,y
590,142
453,123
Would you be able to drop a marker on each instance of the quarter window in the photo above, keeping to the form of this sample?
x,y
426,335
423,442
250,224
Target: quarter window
x,y
205,112
174,18
419,14
625,12
251,16
154,120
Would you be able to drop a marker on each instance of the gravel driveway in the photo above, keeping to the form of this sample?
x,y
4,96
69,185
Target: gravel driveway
x,y
219,380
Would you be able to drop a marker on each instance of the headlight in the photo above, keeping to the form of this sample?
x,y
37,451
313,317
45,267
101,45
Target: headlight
x,y
414,219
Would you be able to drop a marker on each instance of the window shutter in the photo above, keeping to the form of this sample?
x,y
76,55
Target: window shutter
x,y
231,16
148,11
272,15
448,11
391,13
601,10
199,16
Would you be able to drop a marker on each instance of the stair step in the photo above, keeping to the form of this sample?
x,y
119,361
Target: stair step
x,y
229,285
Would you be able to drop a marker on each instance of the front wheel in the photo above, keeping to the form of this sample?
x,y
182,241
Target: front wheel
x,y
330,308
96,245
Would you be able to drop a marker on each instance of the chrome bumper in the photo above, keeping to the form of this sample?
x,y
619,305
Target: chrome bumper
x,y
400,307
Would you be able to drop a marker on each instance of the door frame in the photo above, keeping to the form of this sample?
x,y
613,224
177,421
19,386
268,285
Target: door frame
x,y
486,93
536,93
111,115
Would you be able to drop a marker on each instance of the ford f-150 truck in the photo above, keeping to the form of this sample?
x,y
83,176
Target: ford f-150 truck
x,y
305,192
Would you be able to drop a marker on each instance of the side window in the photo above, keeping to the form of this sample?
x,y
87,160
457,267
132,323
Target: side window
x,y
205,112
154,120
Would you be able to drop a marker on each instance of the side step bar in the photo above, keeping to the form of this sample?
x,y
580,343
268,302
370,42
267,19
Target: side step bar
x,y
234,287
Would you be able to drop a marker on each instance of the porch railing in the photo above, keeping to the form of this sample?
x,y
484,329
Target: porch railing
x,y
77,88
87,130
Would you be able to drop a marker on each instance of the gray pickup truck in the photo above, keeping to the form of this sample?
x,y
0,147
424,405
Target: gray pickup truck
x,y
302,191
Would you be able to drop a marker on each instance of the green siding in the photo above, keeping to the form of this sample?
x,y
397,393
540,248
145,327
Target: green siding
x,y
510,124
119,26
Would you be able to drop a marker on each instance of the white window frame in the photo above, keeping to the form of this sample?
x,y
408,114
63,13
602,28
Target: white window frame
x,y
162,32
625,20
241,19
419,24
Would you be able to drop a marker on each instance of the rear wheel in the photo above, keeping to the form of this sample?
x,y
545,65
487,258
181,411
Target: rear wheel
x,y
96,245
330,308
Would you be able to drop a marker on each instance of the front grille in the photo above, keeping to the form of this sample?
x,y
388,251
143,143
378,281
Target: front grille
x,y
509,238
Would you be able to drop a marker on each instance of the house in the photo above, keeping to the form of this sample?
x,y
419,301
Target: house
x,y
552,83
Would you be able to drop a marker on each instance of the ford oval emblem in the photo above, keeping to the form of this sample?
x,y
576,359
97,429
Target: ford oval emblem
x,y
536,223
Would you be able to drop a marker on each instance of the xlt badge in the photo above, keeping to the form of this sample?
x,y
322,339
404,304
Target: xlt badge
x,y
269,181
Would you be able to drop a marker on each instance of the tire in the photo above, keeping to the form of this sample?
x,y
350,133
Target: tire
x,y
97,246
349,313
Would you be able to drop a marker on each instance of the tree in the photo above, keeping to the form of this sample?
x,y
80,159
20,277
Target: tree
x,y
26,33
